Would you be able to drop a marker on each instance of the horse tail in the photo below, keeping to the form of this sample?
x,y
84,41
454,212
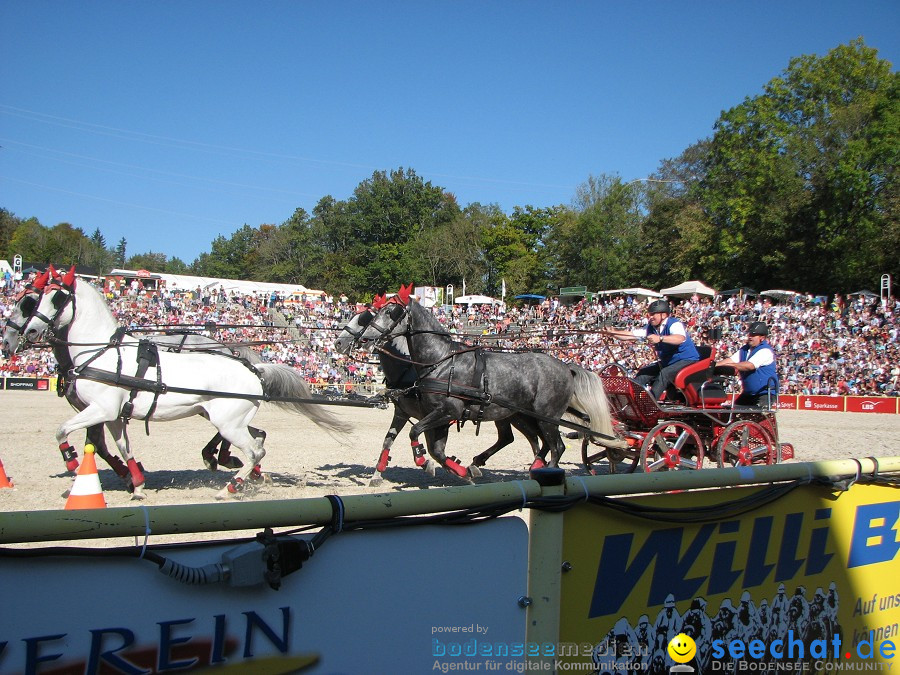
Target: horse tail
x,y
590,398
282,381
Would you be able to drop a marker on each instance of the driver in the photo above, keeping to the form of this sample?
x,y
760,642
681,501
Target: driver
x,y
674,348
755,363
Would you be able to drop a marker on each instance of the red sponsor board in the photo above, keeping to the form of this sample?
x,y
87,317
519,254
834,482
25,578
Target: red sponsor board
x,y
826,403
872,404
786,403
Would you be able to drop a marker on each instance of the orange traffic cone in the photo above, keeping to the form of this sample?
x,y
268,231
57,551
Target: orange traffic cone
x,y
86,492
4,481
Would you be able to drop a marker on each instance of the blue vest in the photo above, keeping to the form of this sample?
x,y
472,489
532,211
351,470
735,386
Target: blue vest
x,y
669,353
757,381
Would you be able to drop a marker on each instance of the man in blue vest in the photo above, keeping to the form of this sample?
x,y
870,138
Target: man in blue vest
x,y
755,364
674,348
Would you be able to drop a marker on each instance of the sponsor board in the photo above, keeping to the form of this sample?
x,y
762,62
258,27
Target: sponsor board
x,y
26,383
811,565
434,591
871,404
786,402
824,403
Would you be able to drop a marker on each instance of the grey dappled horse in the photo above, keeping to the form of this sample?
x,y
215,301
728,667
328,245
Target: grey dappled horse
x,y
400,377
458,382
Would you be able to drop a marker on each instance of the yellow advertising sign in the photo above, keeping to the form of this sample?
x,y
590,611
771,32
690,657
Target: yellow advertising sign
x,y
808,582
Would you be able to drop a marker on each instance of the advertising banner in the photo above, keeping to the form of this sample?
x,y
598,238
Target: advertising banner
x,y
872,404
786,402
27,383
392,600
826,403
807,582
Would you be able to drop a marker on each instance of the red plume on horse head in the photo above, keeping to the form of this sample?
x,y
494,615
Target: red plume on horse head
x,y
40,281
379,301
69,280
404,293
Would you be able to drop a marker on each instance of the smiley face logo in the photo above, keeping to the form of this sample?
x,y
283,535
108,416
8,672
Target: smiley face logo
x,y
682,648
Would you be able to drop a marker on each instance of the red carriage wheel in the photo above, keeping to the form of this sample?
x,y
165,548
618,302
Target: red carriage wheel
x,y
672,446
618,460
743,443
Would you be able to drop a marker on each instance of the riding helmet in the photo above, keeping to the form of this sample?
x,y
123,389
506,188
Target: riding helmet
x,y
659,306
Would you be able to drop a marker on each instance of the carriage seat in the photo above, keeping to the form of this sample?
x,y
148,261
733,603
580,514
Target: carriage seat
x,y
697,384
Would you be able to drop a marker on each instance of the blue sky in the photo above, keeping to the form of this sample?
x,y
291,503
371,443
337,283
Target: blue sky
x,y
169,123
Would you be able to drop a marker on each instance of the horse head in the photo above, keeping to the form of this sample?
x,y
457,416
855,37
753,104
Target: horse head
x,y
25,303
390,319
353,330
55,309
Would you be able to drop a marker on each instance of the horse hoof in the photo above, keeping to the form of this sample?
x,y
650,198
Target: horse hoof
x,y
211,464
137,496
474,471
376,479
430,468
231,462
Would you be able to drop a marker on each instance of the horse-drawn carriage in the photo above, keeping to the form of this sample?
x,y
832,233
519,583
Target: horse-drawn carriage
x,y
695,423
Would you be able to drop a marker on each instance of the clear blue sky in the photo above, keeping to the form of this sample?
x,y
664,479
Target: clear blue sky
x,y
169,123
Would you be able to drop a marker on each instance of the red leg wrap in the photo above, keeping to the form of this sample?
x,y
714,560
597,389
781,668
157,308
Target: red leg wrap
x,y
235,485
69,456
257,473
418,451
453,465
384,459
538,463
137,476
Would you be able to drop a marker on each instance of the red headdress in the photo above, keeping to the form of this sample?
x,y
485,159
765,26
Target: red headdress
x,y
35,286
404,293
379,301
69,280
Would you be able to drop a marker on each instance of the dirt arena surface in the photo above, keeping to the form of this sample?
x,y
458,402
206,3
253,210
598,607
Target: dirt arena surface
x,y
304,461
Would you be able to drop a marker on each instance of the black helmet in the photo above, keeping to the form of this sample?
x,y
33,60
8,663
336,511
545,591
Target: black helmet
x,y
659,306
758,328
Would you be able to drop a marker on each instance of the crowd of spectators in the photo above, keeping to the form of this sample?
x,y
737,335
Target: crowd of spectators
x,y
843,347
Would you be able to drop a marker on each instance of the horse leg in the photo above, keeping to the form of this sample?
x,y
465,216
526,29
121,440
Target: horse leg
x,y
228,460
252,446
95,436
504,438
397,423
439,442
552,440
135,470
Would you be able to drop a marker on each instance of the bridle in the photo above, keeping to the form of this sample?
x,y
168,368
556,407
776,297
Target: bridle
x,y
63,295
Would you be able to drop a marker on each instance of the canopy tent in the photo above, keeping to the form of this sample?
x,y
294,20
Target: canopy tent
x,y
687,289
743,290
188,282
477,300
635,291
531,298
865,294
780,294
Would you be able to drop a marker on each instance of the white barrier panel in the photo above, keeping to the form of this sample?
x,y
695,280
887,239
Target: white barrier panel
x,y
397,600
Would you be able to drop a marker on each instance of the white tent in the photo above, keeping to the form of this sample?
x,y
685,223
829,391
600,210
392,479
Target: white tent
x,y
636,292
477,300
687,289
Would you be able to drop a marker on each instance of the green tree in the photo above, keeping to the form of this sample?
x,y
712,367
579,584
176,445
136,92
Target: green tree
x,y
121,248
800,178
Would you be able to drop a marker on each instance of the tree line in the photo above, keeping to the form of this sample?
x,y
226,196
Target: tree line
x,y
796,187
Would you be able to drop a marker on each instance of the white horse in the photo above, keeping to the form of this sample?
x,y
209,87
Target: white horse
x,y
224,389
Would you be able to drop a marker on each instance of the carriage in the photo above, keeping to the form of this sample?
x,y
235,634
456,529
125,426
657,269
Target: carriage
x,y
695,424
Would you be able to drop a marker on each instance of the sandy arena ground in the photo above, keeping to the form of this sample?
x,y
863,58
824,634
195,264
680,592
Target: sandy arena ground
x,y
304,461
